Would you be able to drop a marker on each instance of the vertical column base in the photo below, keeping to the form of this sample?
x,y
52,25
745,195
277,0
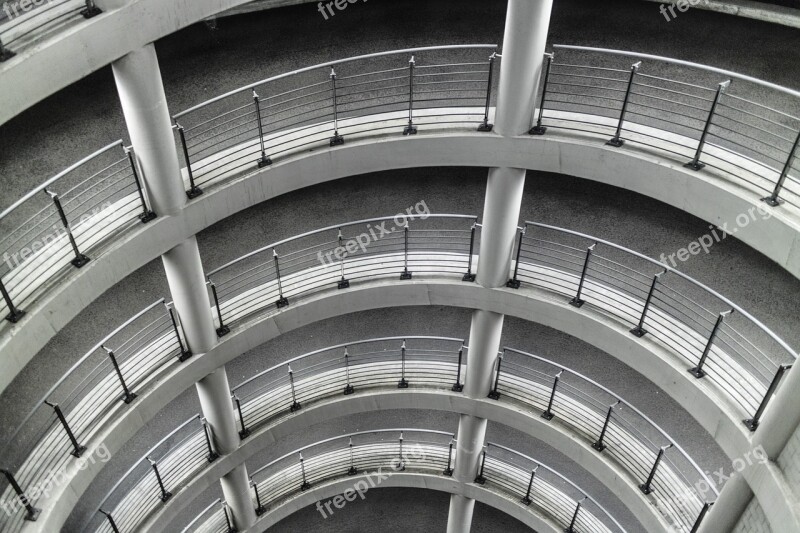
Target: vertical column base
x,y
459,519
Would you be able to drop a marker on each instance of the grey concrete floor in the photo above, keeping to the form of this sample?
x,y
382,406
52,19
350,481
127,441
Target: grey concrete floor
x,y
199,63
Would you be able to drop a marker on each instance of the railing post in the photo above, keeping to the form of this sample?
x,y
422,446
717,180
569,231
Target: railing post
x,y
212,454
448,470
305,485
228,520
77,448
480,479
352,471
458,387
295,404
91,10
577,301
260,509
344,283
538,129
527,498
128,396
571,527
410,129
600,445
194,191
647,488
337,139
265,159
403,383
405,274
5,53
245,431
185,353
110,520
752,423
639,330
401,467
469,276
773,199
80,259
485,126
701,516
698,371
494,394
222,330
695,163
514,282
14,315
348,388
282,301
616,140
548,414
147,214
165,494
32,512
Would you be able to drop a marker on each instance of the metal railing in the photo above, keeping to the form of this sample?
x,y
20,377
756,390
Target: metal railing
x,y
380,93
615,428
164,469
86,397
701,115
420,451
338,255
719,340
23,25
53,228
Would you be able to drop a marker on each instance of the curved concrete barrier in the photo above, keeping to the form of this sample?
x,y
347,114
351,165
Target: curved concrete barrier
x,y
699,398
704,194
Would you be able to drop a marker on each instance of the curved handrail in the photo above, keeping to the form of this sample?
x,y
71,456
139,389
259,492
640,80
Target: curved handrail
x,y
371,365
334,63
373,454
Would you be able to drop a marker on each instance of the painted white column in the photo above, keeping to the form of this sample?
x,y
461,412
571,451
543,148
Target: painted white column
x,y
501,211
459,518
187,284
483,347
527,26
236,491
215,400
141,93
777,426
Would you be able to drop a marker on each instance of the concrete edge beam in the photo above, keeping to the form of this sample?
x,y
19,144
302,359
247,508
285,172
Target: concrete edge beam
x,y
698,397
702,194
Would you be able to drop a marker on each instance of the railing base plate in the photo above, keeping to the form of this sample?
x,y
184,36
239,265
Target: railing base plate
x,y
751,424
639,332
577,302
147,217
184,356
646,489
599,446
295,407
264,162
283,302
344,284
526,501
615,142
15,317
513,284
90,12
243,434
80,261
468,277
694,166
494,395
6,55
348,390
224,330
128,398
337,140
410,130
194,192
402,384
33,515
353,471
406,275
485,127
480,480
547,415
537,130
774,202
457,388
697,372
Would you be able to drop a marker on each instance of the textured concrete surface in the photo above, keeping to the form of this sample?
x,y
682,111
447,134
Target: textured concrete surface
x,y
199,63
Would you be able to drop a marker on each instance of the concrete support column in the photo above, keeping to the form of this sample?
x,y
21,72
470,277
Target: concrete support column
x,y
484,344
527,25
501,210
141,93
779,423
187,284
729,507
